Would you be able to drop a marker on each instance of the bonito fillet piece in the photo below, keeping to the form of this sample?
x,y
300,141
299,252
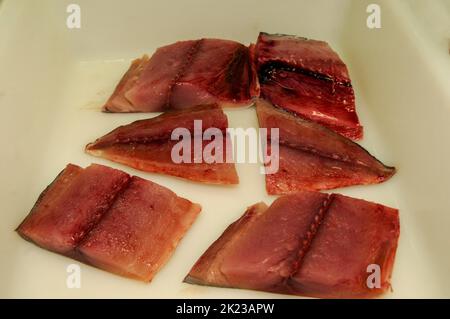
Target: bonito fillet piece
x,y
185,74
140,231
308,78
309,243
313,56
106,218
147,145
71,206
313,157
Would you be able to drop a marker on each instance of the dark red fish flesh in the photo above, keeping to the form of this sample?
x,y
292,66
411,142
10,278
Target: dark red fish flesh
x,y
185,74
309,244
313,157
146,145
308,78
111,220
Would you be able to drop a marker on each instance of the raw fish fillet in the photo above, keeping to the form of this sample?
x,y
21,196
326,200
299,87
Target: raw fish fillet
x,y
71,206
140,231
185,74
309,244
308,78
106,218
312,157
313,56
146,145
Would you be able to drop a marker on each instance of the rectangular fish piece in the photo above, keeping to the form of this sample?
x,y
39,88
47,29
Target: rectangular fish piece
x,y
308,78
140,230
308,244
71,206
147,145
108,219
186,74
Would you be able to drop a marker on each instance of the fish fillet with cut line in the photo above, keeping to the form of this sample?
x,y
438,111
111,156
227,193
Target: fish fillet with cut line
x,y
185,74
308,243
140,231
146,145
105,218
71,206
313,157
308,78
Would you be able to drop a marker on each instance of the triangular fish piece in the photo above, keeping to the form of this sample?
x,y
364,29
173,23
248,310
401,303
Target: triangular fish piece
x,y
313,157
146,145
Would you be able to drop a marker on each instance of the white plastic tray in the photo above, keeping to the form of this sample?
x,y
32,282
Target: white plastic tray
x,y
53,81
